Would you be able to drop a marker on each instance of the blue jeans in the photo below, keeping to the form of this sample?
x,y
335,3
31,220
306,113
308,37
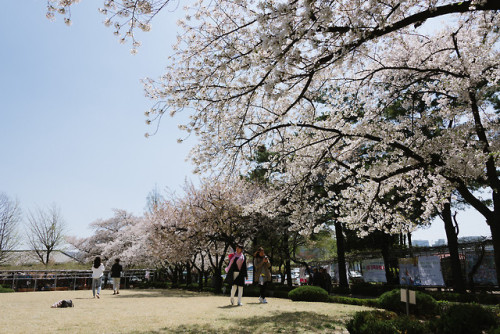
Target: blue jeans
x,y
96,284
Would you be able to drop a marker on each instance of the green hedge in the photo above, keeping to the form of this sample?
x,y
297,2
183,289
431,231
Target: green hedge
x,y
426,305
465,319
482,298
308,293
370,289
455,319
385,322
5,289
353,301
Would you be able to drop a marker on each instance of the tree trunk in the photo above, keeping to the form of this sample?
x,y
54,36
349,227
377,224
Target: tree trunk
x,y
189,278
385,249
451,235
343,282
175,277
201,271
410,246
286,252
217,281
495,236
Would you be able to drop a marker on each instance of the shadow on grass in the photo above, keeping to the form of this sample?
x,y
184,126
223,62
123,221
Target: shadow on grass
x,y
160,293
277,322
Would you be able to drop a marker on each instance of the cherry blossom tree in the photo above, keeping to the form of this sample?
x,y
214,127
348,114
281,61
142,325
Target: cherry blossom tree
x,y
124,16
377,97
122,236
315,82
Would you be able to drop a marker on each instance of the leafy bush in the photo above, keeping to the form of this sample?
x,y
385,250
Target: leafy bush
x,y
465,319
308,293
384,322
409,325
495,330
426,305
371,322
5,289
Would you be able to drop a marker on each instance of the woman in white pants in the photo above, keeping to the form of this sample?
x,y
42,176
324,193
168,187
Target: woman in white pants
x,y
237,273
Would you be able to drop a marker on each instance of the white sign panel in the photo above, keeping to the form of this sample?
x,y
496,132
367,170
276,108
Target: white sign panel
x,y
374,270
429,269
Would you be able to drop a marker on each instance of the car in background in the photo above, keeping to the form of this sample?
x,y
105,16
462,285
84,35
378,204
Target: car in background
x,y
355,276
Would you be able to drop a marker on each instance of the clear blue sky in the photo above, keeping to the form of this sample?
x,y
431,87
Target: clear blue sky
x,y
72,117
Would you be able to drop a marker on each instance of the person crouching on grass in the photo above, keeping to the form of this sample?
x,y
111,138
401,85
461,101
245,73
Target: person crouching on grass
x,y
237,273
261,272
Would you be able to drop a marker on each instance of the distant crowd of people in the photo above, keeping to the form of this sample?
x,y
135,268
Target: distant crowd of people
x,y
236,274
321,278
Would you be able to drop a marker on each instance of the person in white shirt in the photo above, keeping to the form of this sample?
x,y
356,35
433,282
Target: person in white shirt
x,y
97,272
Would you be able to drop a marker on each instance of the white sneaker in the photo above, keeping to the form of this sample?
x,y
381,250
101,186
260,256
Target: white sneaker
x,y
264,301
240,304
260,300
232,301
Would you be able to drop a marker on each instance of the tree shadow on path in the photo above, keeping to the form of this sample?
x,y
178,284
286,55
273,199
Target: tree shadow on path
x,y
277,322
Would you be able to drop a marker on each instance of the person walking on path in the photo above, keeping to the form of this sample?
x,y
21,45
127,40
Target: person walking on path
x,y
261,272
97,272
237,273
116,273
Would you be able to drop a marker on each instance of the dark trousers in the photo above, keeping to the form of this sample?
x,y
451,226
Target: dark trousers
x,y
263,290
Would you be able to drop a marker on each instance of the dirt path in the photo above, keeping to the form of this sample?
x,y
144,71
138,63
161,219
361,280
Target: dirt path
x,y
165,311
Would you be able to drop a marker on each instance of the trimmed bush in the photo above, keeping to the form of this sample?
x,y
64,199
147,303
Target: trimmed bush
x,y
308,293
384,322
372,322
426,305
465,319
352,301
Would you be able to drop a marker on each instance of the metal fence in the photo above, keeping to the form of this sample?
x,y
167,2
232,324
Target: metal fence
x,y
51,280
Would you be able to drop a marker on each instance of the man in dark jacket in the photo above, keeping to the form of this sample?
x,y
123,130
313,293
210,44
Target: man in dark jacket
x,y
116,273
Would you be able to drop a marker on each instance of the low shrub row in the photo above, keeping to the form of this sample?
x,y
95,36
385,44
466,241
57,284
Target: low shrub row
x,y
371,302
457,319
482,298
427,315
376,290
369,289
4,289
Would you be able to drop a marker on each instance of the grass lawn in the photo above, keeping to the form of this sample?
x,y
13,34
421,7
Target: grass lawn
x,y
165,311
